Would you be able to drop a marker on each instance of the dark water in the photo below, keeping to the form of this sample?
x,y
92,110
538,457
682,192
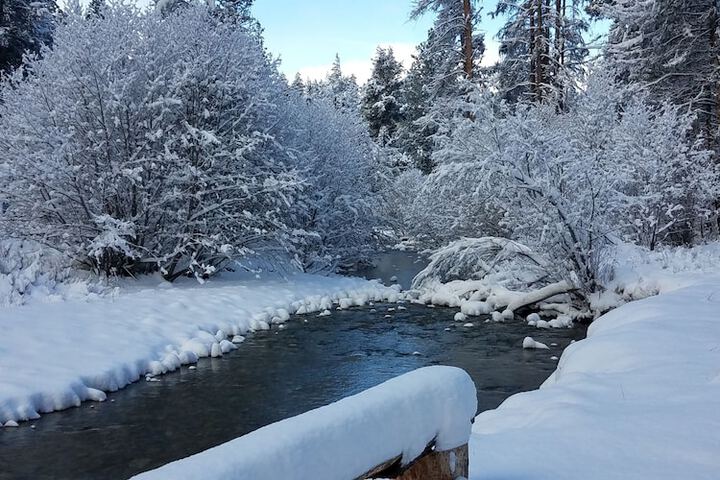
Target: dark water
x,y
395,267
274,375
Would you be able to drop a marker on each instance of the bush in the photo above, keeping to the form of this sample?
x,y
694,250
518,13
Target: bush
x,y
142,142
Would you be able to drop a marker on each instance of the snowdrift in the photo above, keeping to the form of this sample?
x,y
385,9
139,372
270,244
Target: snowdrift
x,y
347,438
638,399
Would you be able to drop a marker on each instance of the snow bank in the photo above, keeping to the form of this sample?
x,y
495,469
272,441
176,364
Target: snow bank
x,y
346,439
638,399
54,356
638,273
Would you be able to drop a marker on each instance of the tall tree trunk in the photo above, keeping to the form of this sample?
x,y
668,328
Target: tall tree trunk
x,y
531,49
468,52
713,126
559,66
539,52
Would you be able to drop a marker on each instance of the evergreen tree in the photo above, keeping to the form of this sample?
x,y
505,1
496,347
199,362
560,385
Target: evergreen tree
x,y
25,26
419,90
338,90
671,48
453,31
450,56
95,8
238,12
543,48
381,95
297,84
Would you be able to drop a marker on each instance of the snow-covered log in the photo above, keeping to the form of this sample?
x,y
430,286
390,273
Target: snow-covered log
x,y
344,440
541,294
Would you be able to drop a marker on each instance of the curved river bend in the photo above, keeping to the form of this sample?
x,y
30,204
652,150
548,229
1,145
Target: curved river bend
x,y
274,375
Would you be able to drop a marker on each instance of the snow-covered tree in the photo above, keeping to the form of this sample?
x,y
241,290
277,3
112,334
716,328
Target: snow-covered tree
x,y
343,170
419,91
298,85
447,61
542,48
95,8
339,90
670,47
453,33
568,184
138,144
381,101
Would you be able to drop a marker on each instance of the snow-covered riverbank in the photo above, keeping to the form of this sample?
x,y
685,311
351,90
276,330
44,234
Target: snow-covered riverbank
x,y
637,400
55,355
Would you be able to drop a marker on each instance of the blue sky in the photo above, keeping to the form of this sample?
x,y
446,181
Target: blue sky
x,y
307,34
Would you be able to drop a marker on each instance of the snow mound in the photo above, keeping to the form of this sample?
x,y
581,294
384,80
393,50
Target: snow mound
x,y
635,273
529,343
508,263
483,275
340,440
475,308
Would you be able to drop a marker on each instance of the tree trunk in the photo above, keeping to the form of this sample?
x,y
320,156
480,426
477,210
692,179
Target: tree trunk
x,y
539,52
559,66
468,52
531,48
713,126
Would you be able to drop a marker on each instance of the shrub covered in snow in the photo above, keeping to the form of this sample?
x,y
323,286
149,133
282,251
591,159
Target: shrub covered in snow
x,y
339,205
495,260
29,271
136,140
568,183
137,144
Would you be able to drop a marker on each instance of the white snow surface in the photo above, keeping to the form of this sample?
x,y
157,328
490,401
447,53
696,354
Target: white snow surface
x,y
638,399
31,273
55,355
347,438
531,343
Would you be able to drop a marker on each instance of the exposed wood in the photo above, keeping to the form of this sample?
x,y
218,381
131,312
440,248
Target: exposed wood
x,y
539,49
439,466
382,470
468,49
430,465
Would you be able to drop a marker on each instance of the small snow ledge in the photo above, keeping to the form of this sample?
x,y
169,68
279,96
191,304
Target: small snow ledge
x,y
346,439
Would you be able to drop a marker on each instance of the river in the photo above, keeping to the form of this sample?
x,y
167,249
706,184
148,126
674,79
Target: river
x,y
275,374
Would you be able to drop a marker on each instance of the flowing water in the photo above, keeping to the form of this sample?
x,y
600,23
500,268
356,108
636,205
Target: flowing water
x,y
275,374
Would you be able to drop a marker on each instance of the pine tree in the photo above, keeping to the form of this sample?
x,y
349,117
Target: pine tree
x,y
337,89
381,95
25,26
671,48
454,30
543,48
297,84
95,8
422,85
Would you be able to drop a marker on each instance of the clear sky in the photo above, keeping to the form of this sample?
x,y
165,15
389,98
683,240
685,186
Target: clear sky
x,y
307,34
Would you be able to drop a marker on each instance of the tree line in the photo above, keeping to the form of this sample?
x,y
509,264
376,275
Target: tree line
x,y
136,155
